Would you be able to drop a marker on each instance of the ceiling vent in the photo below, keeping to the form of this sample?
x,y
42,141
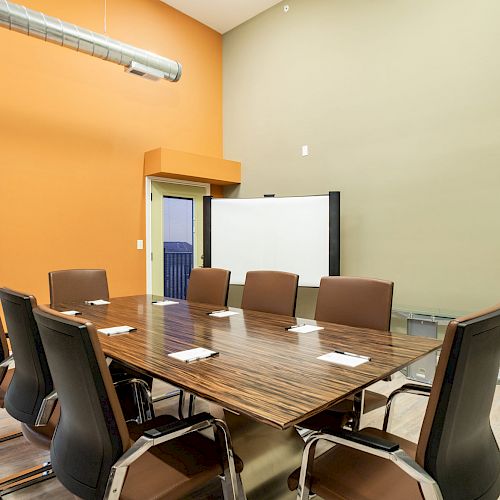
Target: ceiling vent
x,y
136,61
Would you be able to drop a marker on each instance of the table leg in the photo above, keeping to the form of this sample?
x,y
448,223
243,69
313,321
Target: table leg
x,y
269,455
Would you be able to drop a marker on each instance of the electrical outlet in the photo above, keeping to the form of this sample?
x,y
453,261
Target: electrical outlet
x,y
140,245
305,150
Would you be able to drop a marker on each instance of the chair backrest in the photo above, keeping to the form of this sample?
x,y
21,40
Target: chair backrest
x,y
456,445
208,286
270,291
359,302
31,381
91,434
78,285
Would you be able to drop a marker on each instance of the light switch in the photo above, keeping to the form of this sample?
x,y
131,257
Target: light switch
x,y
305,150
140,244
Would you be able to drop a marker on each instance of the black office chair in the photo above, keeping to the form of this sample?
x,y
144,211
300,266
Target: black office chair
x,y
6,373
92,453
457,456
30,397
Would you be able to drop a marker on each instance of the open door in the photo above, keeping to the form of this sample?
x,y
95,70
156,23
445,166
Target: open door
x,y
176,236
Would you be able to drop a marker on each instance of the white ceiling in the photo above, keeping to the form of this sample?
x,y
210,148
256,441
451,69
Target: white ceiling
x,y
221,15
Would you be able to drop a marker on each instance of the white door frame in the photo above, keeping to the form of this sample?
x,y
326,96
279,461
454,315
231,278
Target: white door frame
x,y
149,180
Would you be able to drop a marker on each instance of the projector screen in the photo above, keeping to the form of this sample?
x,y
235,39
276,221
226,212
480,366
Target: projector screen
x,y
295,234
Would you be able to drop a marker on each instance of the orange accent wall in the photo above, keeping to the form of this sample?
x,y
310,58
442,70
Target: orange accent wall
x,y
73,132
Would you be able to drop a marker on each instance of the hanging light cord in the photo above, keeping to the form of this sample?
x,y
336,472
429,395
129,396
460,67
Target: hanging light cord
x,y
105,15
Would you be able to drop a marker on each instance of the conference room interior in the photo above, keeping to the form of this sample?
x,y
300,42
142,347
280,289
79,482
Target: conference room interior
x,y
250,249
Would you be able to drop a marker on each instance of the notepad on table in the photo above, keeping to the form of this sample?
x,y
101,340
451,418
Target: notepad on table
x,y
222,314
117,330
164,302
305,328
71,313
344,359
193,354
97,302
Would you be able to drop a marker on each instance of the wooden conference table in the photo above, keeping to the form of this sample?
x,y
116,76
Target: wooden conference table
x,y
263,371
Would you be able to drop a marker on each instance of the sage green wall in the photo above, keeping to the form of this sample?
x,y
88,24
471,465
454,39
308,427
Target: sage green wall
x,y
399,102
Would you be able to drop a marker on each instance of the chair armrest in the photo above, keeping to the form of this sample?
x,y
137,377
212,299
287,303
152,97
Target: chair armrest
x,y
375,442
415,389
8,362
46,409
424,389
178,428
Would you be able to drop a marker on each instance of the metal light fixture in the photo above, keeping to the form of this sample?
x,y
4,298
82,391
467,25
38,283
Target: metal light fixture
x,y
136,61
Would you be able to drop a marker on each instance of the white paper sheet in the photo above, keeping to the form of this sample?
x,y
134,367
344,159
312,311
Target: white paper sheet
x,y
116,330
193,354
222,314
343,359
306,329
97,302
71,313
164,302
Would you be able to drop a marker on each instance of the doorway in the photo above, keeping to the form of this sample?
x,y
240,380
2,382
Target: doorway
x,y
176,236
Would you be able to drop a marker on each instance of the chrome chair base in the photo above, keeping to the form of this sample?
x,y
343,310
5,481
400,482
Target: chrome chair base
x,y
26,478
8,437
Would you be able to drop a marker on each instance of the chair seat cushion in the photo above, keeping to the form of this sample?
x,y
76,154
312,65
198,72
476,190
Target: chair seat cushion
x,y
343,472
172,469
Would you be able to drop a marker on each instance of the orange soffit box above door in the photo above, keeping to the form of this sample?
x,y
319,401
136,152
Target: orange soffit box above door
x,y
164,162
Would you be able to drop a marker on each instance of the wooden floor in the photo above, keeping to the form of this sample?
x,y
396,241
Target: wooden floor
x,y
18,454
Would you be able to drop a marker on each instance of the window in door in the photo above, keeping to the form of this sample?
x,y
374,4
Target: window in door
x,y
178,229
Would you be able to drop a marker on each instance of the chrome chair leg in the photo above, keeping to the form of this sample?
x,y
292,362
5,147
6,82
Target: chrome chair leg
x,y
230,485
192,402
142,398
180,406
359,404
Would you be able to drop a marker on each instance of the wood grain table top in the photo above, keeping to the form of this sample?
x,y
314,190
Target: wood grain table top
x,y
262,370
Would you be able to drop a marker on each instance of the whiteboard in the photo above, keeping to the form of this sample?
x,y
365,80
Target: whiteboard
x,y
279,234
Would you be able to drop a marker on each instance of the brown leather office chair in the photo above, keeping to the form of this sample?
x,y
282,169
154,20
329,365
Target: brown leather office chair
x,y
270,291
92,452
30,397
457,456
78,285
358,302
208,285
